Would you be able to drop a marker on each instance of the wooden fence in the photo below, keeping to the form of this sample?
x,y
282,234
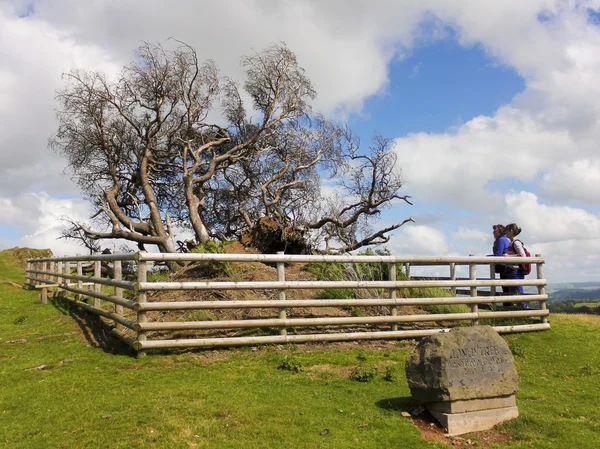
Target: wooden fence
x,y
126,302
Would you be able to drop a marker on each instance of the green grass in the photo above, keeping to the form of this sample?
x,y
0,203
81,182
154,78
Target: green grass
x,y
87,397
587,304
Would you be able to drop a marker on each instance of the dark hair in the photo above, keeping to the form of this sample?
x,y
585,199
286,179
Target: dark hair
x,y
500,228
513,228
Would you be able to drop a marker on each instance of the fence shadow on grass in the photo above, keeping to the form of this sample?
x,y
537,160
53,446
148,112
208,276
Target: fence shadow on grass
x,y
96,332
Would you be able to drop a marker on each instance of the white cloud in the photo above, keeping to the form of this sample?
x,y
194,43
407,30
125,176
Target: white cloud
x,y
509,145
478,235
555,120
418,240
543,223
33,55
40,219
578,180
567,237
548,135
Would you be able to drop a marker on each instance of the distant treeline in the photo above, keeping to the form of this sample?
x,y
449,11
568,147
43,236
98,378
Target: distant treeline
x,y
591,306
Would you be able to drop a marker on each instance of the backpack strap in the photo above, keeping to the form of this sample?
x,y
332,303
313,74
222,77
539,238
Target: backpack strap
x,y
513,242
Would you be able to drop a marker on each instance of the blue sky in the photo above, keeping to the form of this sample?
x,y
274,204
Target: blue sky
x,y
436,88
494,106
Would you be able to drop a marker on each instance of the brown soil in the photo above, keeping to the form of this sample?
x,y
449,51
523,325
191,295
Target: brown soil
x,y
99,335
315,371
431,431
256,272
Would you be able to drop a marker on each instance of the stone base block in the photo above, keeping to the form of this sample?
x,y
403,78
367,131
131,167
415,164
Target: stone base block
x,y
472,405
459,423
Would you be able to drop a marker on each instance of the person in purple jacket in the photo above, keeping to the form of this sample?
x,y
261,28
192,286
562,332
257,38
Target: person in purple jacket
x,y
501,246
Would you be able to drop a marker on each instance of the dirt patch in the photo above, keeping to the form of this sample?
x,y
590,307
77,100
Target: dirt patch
x,y
270,236
256,272
98,333
431,431
314,371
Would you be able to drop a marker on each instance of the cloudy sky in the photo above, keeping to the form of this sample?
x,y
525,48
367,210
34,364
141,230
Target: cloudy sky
x,y
494,105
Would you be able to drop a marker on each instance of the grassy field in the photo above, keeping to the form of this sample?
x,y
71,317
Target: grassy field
x,y
588,304
58,389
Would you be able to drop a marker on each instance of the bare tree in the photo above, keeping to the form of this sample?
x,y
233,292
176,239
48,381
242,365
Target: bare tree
x,y
285,185
171,142
119,139
368,184
77,233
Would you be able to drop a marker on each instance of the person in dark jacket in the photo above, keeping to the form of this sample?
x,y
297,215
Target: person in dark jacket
x,y
501,245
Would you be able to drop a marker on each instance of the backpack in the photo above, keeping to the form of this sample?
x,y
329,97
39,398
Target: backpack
x,y
524,268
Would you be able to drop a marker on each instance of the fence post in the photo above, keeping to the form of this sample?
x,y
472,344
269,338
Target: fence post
x,y
473,276
44,292
51,277
393,294
28,273
97,287
493,287
79,297
36,267
118,276
59,278
281,292
453,277
141,297
541,289
67,272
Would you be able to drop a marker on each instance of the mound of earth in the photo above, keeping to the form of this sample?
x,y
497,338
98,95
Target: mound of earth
x,y
256,272
20,255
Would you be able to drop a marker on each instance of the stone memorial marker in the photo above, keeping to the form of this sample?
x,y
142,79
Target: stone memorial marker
x,y
466,378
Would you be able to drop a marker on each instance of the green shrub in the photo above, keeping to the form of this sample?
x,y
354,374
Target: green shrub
x,y
20,320
213,268
389,375
354,311
447,308
361,356
355,272
376,272
336,293
159,274
363,373
198,315
291,364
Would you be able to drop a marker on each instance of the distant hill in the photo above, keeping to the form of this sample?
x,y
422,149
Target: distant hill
x,y
570,290
574,293
573,286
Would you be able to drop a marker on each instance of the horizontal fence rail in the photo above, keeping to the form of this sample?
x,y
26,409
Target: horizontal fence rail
x,y
135,303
